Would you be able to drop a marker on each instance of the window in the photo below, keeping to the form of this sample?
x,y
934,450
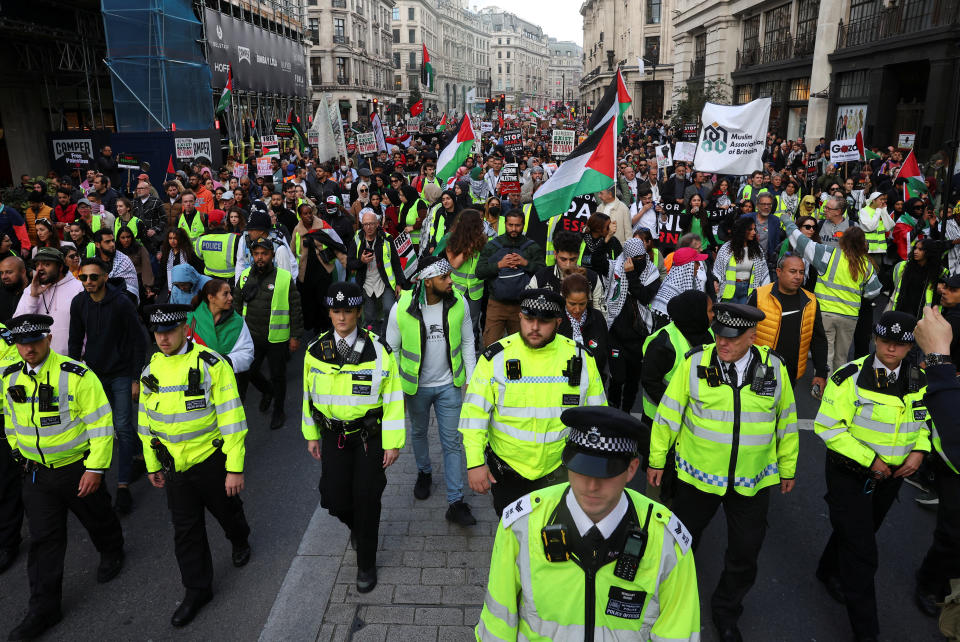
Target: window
x,y
862,9
800,89
314,30
776,25
398,81
342,71
499,41
360,7
410,13
751,33
852,84
508,54
651,50
653,12
396,60
412,62
807,11
499,54
769,90
508,67
508,41
339,35
412,35
499,68
742,94
396,13
315,75
396,35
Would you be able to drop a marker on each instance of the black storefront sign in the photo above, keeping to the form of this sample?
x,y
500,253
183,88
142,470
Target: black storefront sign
x,y
262,61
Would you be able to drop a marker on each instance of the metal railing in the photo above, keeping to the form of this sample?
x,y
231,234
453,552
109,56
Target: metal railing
x,y
780,50
910,16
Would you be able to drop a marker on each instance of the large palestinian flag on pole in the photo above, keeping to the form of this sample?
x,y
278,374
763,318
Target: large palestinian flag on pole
x,y
590,168
615,102
456,150
910,171
426,71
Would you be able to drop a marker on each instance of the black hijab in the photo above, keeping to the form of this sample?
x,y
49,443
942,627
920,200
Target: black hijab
x,y
688,310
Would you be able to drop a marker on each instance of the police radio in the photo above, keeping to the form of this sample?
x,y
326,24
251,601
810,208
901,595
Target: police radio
x,y
629,559
193,383
555,542
45,397
573,371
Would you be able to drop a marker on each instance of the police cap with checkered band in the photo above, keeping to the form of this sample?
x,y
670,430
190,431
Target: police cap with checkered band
x,y
602,440
730,320
163,317
28,328
896,326
542,303
343,294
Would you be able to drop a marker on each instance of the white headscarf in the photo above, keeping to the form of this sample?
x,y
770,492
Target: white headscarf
x,y
617,288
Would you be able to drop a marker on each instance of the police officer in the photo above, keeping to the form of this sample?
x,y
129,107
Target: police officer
x,y
270,304
873,420
353,420
218,248
590,559
510,419
58,422
11,502
729,410
193,427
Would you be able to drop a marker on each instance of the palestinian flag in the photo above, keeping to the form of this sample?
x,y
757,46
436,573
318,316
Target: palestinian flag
x,y
227,91
615,102
456,150
535,114
416,108
298,136
915,184
443,123
590,168
865,153
426,71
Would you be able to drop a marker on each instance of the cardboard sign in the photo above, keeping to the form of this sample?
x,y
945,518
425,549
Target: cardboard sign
x,y
283,130
576,217
690,132
664,156
811,167
313,139
668,222
563,142
513,140
684,152
240,170
128,161
366,143
269,141
905,140
486,126
408,258
183,147
509,179
842,151
264,168
77,159
413,125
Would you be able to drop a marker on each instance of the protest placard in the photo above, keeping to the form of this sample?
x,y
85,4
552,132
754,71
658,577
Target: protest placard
x,y
562,143
366,143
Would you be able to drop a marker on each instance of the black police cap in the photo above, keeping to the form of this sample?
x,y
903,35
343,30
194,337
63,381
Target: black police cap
x,y
163,317
896,326
542,302
602,440
343,294
28,328
733,319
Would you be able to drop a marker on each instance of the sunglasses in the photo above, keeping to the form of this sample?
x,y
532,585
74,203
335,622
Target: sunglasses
x,y
83,277
809,227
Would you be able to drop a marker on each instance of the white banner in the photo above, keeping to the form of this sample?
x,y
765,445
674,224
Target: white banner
x,y
193,148
733,138
336,125
378,132
366,143
842,151
684,152
563,142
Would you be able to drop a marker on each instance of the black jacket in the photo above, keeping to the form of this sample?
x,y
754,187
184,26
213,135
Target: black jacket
x,y
594,333
943,392
115,343
354,264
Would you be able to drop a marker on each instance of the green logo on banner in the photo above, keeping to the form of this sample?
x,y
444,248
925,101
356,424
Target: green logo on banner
x,y
714,139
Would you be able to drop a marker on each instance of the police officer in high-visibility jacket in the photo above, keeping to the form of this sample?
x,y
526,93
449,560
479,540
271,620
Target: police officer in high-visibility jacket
x,y
353,420
874,422
730,411
270,304
11,502
591,560
193,427
934,335
58,422
218,248
510,419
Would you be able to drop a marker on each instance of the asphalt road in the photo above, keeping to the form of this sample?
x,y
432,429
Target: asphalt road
x,y
787,602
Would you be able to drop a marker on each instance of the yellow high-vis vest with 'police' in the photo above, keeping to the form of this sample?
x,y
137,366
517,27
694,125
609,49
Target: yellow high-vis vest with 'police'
x,y
187,421
219,253
348,391
76,419
518,412
707,419
531,598
861,424
413,336
279,330
836,290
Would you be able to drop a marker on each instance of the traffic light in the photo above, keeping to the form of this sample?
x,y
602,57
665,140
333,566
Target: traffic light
x,y
488,106
375,103
503,101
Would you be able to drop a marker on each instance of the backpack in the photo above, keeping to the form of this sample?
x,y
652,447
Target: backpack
x,y
510,283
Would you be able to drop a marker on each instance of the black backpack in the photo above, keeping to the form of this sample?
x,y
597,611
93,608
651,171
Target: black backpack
x,y
510,283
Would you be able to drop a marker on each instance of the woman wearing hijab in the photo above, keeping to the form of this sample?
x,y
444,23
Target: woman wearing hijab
x,y
215,324
408,220
187,283
688,272
581,321
915,280
461,190
600,244
632,282
440,219
665,350
740,266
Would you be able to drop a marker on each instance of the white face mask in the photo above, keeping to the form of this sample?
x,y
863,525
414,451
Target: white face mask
x,y
343,168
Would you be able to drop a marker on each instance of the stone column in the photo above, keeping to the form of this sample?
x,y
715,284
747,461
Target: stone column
x,y
821,72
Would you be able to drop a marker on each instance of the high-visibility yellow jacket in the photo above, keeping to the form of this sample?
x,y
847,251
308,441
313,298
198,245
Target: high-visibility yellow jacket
x,y
863,424
520,418
77,420
413,335
898,280
347,392
278,327
465,279
194,230
219,253
531,598
726,437
188,423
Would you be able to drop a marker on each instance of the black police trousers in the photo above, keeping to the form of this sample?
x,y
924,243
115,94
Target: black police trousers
x,y
511,486
189,494
746,529
11,502
352,480
942,562
276,356
851,552
48,493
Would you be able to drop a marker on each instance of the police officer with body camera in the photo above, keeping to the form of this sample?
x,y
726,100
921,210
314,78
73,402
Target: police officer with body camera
x,y
193,427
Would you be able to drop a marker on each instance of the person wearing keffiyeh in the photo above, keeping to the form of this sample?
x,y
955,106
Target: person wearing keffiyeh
x,y
687,273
